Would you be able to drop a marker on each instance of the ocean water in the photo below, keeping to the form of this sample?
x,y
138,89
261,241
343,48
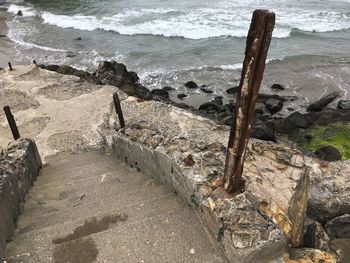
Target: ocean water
x,y
170,42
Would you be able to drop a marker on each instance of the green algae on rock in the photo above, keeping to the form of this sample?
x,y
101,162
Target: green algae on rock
x,y
336,135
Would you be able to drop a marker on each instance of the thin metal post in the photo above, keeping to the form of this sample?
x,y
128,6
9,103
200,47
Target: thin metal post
x,y
118,109
258,42
12,122
10,66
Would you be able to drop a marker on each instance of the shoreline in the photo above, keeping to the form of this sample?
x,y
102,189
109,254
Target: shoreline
x,y
7,53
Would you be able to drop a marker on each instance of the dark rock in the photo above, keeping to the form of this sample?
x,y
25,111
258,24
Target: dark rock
x,y
286,126
70,54
167,88
311,255
218,100
66,70
137,90
50,67
160,93
19,13
277,87
339,227
206,89
273,105
344,104
78,38
260,108
328,153
316,237
290,109
211,105
303,121
323,102
228,120
233,90
181,105
2,35
182,96
191,85
262,132
264,97
111,73
230,106
132,77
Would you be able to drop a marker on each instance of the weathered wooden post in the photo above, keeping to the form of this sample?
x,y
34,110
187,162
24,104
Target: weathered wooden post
x,y
258,42
12,123
10,66
118,109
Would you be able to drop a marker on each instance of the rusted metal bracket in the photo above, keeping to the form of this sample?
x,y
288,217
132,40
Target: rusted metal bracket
x,y
10,66
258,42
118,109
12,122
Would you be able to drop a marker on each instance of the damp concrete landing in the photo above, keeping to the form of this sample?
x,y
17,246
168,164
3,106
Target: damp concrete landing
x,y
92,207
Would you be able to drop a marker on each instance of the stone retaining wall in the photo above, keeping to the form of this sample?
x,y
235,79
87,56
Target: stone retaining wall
x,y
19,167
188,152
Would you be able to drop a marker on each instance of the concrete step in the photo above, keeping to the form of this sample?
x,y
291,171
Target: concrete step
x,y
173,236
33,220
93,208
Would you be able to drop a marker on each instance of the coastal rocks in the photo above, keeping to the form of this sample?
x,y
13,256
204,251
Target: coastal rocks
x,y
233,90
66,70
163,94
339,227
329,192
191,85
19,13
344,104
262,132
205,89
277,87
308,255
328,153
207,106
316,237
116,74
323,102
273,105
182,96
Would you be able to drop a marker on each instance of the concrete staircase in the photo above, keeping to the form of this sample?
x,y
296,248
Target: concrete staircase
x,y
94,208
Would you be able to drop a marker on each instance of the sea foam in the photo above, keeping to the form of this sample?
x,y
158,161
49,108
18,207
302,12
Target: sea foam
x,y
198,23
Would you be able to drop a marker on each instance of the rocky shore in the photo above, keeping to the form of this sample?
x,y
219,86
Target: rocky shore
x,y
322,130
295,198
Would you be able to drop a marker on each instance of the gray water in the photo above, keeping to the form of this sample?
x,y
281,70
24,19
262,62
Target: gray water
x,y
170,42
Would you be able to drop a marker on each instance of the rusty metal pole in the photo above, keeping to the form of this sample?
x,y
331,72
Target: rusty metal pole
x,y
12,123
258,42
10,66
118,109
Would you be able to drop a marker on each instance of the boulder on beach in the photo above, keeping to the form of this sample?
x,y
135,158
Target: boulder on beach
x,y
277,87
161,93
315,236
328,153
191,85
19,13
262,132
323,102
344,104
233,90
210,105
274,105
205,89
339,227
182,96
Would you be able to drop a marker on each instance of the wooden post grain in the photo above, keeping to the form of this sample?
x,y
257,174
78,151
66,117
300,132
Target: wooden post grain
x,y
258,42
118,109
12,123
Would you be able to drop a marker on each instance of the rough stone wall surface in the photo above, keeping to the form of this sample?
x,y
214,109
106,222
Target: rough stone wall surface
x,y
188,152
19,166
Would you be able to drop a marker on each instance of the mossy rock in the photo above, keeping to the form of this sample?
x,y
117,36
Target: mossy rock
x,y
336,135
